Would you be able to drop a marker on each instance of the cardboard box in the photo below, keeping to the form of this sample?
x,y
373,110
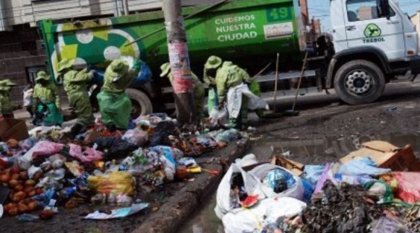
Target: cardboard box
x,y
387,155
13,129
295,167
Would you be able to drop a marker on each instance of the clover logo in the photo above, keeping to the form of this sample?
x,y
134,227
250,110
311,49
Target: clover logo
x,y
372,30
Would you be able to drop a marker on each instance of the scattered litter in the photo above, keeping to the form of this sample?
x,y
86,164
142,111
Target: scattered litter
x,y
369,190
117,213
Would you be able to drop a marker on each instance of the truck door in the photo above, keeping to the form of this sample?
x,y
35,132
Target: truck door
x,y
365,26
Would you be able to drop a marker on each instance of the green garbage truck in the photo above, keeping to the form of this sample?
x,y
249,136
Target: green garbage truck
x,y
372,41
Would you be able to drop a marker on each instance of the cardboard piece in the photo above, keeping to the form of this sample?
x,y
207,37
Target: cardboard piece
x,y
387,155
295,167
13,129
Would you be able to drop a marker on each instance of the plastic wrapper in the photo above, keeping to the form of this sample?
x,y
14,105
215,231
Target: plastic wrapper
x,y
408,186
381,190
362,166
114,147
136,136
218,116
118,213
278,181
42,148
387,225
268,211
312,173
228,136
113,183
88,155
168,157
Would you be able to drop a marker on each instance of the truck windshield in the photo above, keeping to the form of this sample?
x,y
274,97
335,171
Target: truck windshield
x,y
359,10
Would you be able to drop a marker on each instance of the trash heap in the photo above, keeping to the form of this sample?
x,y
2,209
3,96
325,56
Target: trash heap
x,y
46,170
374,189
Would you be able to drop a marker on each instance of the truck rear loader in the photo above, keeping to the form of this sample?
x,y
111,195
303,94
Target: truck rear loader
x,y
372,42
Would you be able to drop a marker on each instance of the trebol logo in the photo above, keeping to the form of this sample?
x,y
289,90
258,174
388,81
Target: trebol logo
x,y
373,34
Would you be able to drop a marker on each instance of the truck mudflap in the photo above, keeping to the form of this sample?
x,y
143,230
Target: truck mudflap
x,y
415,65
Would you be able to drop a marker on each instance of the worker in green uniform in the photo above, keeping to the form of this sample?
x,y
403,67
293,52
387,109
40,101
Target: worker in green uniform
x,y
232,90
198,89
6,106
46,101
114,104
211,66
76,86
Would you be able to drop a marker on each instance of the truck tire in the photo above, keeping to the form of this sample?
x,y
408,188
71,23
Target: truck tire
x,y
359,82
141,102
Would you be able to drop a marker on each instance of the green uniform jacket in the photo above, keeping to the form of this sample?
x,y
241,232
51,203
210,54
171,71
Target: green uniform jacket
x,y
6,106
229,75
75,85
46,94
117,82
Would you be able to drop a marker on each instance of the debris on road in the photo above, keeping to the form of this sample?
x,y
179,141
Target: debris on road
x,y
116,172
373,189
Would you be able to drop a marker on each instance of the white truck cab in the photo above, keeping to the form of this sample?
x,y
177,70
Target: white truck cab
x,y
374,41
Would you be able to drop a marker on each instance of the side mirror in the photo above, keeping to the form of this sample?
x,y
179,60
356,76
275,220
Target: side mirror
x,y
384,8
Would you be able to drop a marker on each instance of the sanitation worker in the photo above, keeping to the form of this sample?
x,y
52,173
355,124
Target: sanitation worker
x,y
6,106
114,104
76,86
233,91
211,66
198,89
46,101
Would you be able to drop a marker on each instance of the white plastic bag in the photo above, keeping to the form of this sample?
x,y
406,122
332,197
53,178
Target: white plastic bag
x,y
234,100
262,170
264,213
218,117
136,136
251,184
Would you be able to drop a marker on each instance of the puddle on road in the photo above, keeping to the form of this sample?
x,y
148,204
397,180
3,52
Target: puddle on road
x,y
315,151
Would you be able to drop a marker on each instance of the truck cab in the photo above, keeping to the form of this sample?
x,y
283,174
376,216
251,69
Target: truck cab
x,y
374,42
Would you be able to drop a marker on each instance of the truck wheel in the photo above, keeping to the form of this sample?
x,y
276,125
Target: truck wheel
x,y
141,102
359,82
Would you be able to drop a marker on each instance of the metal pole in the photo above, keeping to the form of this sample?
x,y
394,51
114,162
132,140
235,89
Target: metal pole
x,y
179,60
125,7
117,11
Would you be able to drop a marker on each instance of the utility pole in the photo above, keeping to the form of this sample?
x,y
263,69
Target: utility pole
x,y
179,60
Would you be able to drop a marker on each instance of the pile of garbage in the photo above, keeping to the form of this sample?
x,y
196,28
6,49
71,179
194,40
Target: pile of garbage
x,y
48,170
374,189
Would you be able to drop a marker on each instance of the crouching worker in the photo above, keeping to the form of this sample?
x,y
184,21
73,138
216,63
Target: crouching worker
x,y
76,86
114,104
211,66
46,101
6,106
198,90
232,91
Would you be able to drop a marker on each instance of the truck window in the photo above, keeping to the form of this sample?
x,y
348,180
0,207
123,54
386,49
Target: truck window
x,y
359,10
